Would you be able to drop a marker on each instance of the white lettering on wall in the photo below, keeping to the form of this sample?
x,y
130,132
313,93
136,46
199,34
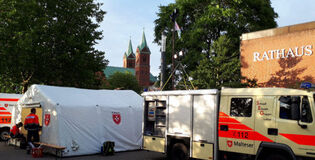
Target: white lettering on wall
x,y
280,53
309,49
271,53
297,51
256,57
265,55
290,52
284,53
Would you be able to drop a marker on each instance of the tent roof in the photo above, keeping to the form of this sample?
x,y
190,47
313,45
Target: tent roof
x,y
75,97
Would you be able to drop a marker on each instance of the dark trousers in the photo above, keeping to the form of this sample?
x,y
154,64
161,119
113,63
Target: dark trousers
x,y
34,135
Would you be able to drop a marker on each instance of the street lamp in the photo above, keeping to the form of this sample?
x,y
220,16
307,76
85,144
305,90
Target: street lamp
x,y
173,18
163,50
175,56
181,53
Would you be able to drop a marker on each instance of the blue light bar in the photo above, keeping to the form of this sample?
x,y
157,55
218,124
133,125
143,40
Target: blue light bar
x,y
307,85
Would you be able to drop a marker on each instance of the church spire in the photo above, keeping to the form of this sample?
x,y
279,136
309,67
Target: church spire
x,y
143,42
130,50
129,57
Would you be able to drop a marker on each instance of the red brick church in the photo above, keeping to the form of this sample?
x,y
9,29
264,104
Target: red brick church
x,y
137,63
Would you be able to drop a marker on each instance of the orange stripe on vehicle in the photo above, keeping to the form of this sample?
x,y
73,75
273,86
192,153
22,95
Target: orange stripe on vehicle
x,y
222,114
5,113
9,99
246,135
236,126
308,140
238,130
228,120
3,109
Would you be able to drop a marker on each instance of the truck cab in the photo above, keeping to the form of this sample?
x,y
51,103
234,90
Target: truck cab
x,y
267,123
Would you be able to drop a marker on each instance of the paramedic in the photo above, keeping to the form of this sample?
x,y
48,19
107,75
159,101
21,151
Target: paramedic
x,y
15,131
31,124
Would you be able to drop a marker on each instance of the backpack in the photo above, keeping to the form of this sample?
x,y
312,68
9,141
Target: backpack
x,y
108,148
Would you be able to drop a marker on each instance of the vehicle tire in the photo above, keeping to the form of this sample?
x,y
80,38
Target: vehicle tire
x,y
276,156
4,132
179,152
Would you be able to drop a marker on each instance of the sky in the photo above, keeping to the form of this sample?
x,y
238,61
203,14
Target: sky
x,y
127,19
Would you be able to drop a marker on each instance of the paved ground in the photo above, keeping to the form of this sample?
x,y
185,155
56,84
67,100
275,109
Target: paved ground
x,y
13,153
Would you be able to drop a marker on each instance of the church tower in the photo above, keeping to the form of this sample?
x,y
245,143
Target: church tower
x,y
129,57
142,67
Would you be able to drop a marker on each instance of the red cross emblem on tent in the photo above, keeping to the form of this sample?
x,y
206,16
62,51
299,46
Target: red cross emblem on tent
x,y
47,119
116,117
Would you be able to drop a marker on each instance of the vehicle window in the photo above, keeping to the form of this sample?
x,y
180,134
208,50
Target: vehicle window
x,y
289,107
306,114
241,107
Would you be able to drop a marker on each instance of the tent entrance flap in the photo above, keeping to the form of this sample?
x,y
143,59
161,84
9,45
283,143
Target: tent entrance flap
x,y
26,111
31,105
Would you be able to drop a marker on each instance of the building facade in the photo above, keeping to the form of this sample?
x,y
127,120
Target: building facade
x,y
142,67
138,64
129,57
280,57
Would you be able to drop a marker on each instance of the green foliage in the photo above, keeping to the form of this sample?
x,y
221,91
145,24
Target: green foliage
x,y
220,69
211,31
7,86
125,81
50,42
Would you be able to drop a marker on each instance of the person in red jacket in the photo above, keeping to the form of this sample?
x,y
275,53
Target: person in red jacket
x,y
15,131
31,124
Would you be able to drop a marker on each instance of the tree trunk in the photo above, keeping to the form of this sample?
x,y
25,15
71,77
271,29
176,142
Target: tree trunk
x,y
26,80
24,87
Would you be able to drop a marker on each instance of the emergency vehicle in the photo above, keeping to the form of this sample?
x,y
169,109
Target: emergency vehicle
x,y
255,123
7,103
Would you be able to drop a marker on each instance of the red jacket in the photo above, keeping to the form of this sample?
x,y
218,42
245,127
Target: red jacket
x,y
31,122
15,130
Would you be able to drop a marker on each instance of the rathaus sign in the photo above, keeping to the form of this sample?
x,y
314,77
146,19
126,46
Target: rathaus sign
x,y
279,57
283,53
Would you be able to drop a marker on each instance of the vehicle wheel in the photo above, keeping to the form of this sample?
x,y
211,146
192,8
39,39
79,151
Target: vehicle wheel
x,y
3,134
276,156
179,152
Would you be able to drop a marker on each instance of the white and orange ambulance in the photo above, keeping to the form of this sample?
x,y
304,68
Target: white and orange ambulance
x,y
255,123
7,102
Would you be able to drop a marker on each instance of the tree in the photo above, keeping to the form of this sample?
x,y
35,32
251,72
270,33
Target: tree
x,y
207,28
7,86
50,42
125,81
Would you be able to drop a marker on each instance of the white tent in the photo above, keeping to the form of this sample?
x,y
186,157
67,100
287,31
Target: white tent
x,y
82,119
